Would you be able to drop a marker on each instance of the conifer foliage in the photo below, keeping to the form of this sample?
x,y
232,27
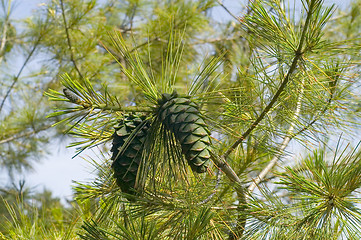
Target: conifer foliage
x,y
191,119
173,112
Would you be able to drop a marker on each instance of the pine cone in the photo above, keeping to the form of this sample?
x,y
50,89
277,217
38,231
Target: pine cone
x,y
181,116
126,163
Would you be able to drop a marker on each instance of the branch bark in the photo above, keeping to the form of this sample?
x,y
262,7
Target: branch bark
x,y
5,28
25,134
16,78
321,113
284,144
298,55
227,10
72,59
221,163
4,38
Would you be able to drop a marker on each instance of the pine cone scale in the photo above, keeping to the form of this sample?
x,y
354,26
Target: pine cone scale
x,y
181,116
126,163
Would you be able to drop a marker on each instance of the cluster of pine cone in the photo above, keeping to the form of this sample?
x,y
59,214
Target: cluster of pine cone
x,y
180,116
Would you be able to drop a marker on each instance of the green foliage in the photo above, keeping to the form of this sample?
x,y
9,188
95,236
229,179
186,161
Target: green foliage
x,y
320,196
35,216
292,51
246,89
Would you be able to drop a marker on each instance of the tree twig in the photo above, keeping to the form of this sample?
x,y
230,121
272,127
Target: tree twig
x,y
284,144
221,163
25,134
218,181
267,108
3,40
16,78
227,10
72,59
298,55
4,32
321,113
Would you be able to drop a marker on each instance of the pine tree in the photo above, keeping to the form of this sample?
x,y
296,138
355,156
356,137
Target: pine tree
x,y
193,142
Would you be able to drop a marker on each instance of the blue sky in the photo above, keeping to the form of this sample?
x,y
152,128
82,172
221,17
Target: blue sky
x,y
57,171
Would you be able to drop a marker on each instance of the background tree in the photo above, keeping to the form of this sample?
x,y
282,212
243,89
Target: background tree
x,y
272,76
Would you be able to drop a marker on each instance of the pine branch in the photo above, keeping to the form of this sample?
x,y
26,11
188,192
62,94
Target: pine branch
x,y
267,108
4,32
333,84
105,106
3,40
16,78
207,199
320,114
221,163
227,10
298,55
68,39
284,144
25,134
216,40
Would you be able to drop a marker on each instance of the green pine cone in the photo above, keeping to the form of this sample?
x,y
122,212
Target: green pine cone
x,y
126,163
181,116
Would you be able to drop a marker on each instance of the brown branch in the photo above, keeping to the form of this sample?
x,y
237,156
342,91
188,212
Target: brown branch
x,y
227,10
16,78
72,59
241,222
221,163
214,40
267,108
284,144
291,135
25,134
210,196
122,109
321,113
298,55
4,38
